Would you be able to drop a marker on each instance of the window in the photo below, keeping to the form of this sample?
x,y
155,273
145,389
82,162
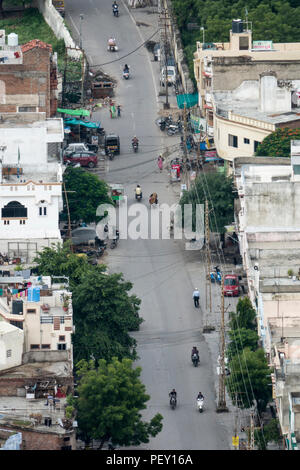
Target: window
x,y
61,346
31,310
6,222
244,43
46,319
61,338
62,319
246,141
43,210
34,346
18,324
232,141
14,210
26,109
22,222
45,346
8,353
256,144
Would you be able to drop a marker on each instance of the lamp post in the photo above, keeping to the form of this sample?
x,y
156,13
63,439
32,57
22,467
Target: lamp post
x,y
203,31
81,16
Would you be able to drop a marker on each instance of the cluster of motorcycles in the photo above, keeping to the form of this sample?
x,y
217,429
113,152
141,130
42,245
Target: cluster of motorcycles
x,y
172,127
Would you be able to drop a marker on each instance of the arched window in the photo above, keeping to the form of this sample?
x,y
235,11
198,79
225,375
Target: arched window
x,y
14,210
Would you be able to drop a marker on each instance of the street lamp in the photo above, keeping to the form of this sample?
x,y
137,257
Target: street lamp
x,y
203,31
81,16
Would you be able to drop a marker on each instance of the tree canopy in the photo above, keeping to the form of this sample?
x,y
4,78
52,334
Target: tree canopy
x,y
244,317
103,310
85,193
278,144
218,190
109,403
271,20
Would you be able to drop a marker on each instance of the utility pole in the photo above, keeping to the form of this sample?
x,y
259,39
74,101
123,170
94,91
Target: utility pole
x,y
207,257
82,76
187,181
222,398
251,432
80,30
235,440
69,218
164,17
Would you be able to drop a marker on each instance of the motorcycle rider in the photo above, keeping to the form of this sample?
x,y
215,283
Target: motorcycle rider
x,y
115,6
195,351
138,191
126,69
196,297
135,141
172,394
200,396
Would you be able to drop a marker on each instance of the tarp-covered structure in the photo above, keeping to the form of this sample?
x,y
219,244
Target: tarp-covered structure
x,y
189,100
74,112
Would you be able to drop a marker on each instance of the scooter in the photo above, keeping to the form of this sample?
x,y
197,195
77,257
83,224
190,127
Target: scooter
x,y
139,197
111,155
195,360
115,240
115,10
135,146
126,74
173,403
200,402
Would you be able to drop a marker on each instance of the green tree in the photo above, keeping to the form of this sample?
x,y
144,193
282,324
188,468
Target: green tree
x,y
218,190
85,193
241,338
109,403
250,378
269,433
278,144
102,322
245,316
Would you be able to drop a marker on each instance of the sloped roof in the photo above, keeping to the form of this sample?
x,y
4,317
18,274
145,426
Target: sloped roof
x,y
35,43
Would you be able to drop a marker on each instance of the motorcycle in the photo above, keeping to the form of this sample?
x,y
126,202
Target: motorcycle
x,y
173,129
200,402
139,196
173,403
195,359
126,74
114,242
111,155
115,10
135,146
111,45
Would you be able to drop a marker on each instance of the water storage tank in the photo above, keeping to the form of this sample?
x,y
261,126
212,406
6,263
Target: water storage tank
x,y
12,39
237,26
34,294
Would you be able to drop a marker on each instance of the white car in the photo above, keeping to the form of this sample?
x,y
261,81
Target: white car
x,y
171,75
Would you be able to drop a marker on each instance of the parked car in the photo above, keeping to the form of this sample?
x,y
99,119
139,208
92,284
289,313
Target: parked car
x,y
171,61
80,147
156,52
231,285
88,159
171,76
112,143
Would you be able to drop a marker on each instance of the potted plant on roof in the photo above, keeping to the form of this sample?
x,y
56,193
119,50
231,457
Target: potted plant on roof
x,y
65,303
290,273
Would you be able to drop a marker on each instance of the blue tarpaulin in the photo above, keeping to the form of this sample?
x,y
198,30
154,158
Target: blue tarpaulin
x,y
188,99
93,125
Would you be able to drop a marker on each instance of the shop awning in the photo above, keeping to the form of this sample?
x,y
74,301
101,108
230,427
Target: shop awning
x,y
188,99
74,122
74,112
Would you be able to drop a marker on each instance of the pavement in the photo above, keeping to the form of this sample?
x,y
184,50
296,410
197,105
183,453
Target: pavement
x,y
163,273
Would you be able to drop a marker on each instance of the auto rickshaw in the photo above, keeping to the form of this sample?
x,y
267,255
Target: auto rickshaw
x,y
117,193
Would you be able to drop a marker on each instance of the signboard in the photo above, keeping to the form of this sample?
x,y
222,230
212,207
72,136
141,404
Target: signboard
x,y
262,45
198,124
235,441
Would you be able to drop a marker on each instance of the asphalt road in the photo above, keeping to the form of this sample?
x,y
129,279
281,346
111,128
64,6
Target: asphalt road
x,y
163,273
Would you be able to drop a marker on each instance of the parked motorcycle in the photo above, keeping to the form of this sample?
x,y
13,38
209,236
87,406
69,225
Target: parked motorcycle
x,y
173,129
195,359
173,403
115,240
200,402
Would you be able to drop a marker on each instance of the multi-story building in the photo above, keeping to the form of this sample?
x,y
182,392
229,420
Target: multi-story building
x,y
268,227
36,361
247,89
30,184
28,82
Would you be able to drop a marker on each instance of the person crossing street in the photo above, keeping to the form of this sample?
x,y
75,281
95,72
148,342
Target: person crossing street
x,y
196,297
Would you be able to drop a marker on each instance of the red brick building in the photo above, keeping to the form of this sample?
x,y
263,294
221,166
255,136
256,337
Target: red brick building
x,y
28,80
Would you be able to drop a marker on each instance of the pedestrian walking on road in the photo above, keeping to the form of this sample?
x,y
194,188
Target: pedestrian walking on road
x,y
196,297
119,110
160,163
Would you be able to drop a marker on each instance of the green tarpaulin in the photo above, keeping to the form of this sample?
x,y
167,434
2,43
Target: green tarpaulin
x,y
93,125
188,99
74,112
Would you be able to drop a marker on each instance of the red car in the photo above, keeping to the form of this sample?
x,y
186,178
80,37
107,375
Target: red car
x,y
89,159
231,285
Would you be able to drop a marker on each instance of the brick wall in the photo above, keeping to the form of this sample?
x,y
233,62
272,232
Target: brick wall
x,y
36,440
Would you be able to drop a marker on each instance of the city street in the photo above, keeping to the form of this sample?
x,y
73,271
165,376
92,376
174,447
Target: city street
x,y
163,273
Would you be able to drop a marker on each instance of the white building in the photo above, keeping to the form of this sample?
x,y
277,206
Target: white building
x,y
30,185
11,345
